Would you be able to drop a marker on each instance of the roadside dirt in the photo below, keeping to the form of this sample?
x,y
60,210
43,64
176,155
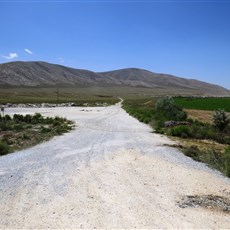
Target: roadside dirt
x,y
110,172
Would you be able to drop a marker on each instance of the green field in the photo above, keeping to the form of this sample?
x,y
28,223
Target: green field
x,y
204,103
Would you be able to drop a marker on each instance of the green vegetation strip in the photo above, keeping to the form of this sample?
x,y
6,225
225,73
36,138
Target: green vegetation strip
x,y
204,103
19,132
167,117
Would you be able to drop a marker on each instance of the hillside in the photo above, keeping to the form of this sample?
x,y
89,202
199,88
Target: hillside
x,y
140,77
42,74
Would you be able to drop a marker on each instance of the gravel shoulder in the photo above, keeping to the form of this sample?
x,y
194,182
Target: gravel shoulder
x,y
109,172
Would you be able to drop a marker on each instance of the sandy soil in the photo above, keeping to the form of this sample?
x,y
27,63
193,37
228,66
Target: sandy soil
x,y
110,172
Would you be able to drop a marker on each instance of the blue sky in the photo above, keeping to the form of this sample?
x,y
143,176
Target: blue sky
x,y
189,39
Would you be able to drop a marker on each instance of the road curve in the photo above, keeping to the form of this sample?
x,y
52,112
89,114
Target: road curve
x,y
111,171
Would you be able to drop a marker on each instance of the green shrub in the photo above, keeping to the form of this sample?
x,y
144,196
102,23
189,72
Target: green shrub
x,y
220,119
18,118
227,140
167,107
4,148
180,131
226,161
56,123
45,129
4,126
18,127
28,118
193,152
7,117
7,138
25,136
37,118
211,157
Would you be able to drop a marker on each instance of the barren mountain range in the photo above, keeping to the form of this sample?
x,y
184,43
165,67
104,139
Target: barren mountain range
x,y
43,74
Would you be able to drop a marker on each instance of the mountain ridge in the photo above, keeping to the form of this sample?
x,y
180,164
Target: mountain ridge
x,y
43,74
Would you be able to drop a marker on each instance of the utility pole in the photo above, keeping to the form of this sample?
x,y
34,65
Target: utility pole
x,y
2,109
57,95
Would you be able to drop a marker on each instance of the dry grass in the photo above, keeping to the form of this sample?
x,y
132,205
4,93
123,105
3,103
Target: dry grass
x,y
201,144
85,94
201,115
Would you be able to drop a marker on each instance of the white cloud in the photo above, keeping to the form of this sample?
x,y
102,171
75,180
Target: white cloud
x,y
28,51
10,56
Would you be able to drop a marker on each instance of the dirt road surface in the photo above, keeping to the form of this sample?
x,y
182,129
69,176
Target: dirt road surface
x,y
111,171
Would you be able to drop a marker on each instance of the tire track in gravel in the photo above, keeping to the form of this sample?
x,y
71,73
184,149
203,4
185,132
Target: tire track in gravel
x,y
110,172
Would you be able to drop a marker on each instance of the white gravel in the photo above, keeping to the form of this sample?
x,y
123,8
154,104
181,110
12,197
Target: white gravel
x,y
110,172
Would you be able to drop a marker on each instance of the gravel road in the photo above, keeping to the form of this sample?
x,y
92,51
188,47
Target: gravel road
x,y
109,172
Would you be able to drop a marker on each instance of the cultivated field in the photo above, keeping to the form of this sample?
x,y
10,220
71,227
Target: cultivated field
x,y
204,103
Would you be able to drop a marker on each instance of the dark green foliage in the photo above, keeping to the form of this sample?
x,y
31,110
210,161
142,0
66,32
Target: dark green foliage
x,y
25,136
142,112
220,119
181,131
18,118
37,118
4,148
198,130
210,103
170,110
7,118
18,127
56,123
226,161
45,129
28,118
23,131
155,113
193,152
4,125
7,139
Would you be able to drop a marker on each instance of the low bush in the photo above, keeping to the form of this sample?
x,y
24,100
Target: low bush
x,y
7,118
18,118
170,110
45,129
4,126
7,138
18,127
28,118
4,148
193,152
220,119
56,123
181,131
25,136
226,161
24,131
37,118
